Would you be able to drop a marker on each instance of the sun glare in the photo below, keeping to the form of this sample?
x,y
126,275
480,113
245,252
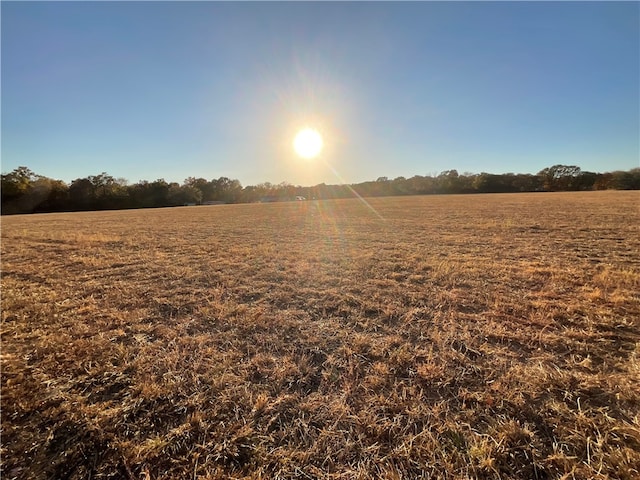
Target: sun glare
x,y
308,143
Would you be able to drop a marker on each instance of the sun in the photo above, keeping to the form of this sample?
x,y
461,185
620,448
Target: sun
x,y
308,143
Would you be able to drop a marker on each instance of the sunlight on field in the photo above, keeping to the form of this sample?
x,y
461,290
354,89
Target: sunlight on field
x,y
479,336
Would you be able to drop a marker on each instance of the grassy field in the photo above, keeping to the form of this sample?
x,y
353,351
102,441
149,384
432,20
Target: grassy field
x,y
479,336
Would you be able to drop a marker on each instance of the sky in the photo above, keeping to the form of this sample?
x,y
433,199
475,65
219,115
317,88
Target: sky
x,y
149,90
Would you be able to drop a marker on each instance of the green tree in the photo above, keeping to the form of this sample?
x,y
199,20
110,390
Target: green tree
x,y
183,194
23,191
17,182
109,193
227,190
448,182
205,187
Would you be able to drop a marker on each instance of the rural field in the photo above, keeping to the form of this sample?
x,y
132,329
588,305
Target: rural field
x,y
475,336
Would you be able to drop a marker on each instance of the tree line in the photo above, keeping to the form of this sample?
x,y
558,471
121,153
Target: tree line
x,y
24,191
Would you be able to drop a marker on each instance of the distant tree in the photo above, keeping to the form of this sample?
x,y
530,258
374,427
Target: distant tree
x,y
603,181
586,181
159,193
415,185
205,187
50,195
227,190
139,194
15,186
109,192
23,191
448,182
382,186
98,192
265,190
183,195
249,194
17,182
629,180
560,177
465,183
149,194
366,189
286,191
399,186
82,195
489,183
525,183
423,185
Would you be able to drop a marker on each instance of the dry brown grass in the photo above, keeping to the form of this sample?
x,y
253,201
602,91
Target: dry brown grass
x,y
490,336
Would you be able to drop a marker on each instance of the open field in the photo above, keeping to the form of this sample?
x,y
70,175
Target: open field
x,y
479,336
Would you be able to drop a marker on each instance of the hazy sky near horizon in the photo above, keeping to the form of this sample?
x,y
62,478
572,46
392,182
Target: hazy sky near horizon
x,y
147,90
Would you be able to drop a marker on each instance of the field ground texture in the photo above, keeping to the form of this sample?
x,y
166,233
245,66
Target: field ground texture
x,y
478,336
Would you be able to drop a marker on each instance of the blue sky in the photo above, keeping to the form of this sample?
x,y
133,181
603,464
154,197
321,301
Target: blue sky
x,y
147,90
